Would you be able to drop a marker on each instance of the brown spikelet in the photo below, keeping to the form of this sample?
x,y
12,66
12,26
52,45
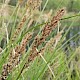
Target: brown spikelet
x,y
51,44
25,41
42,50
17,51
14,58
33,55
49,27
17,32
34,4
45,32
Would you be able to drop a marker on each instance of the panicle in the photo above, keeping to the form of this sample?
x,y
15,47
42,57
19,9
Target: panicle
x,y
45,32
15,55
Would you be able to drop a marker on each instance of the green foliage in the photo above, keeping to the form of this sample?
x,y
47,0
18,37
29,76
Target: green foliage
x,y
57,63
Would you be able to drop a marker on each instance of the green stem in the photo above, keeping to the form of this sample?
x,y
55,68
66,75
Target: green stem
x,y
71,17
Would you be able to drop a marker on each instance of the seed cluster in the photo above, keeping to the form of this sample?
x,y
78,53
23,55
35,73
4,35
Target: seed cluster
x,y
49,27
34,4
19,28
51,44
15,55
14,58
45,33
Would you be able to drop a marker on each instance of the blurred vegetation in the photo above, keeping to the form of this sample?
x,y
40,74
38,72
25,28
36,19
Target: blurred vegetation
x,y
63,59
72,7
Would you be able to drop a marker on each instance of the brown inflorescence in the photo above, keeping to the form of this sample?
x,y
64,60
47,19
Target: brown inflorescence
x,y
34,4
51,44
19,28
15,55
14,58
45,33
54,22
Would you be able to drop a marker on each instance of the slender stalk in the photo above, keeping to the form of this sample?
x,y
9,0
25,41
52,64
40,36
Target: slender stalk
x,y
77,15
